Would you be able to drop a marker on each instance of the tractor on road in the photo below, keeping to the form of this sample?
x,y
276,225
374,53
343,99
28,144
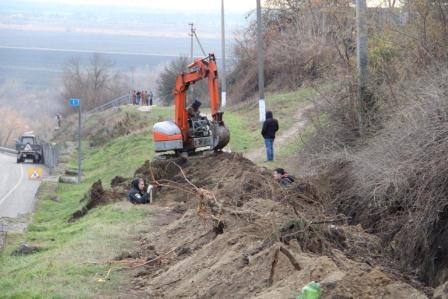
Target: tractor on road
x,y
29,147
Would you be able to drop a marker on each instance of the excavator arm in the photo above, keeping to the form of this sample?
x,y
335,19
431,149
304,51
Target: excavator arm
x,y
200,69
211,133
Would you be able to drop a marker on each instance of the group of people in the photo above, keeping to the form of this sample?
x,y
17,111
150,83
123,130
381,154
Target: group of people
x,y
137,195
143,98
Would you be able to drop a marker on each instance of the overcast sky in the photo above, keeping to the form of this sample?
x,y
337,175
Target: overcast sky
x,y
186,5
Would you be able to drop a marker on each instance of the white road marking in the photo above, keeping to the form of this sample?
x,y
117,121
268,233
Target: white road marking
x,y
15,186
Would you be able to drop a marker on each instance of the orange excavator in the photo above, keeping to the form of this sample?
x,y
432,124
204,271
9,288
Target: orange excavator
x,y
187,134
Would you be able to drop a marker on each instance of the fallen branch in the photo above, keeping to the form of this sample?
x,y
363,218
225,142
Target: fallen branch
x,y
273,266
291,258
274,263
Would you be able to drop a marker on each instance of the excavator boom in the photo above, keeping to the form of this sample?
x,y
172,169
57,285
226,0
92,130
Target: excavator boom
x,y
200,69
218,135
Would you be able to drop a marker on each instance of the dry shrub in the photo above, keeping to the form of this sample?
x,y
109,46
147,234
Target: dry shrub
x,y
13,125
301,44
396,184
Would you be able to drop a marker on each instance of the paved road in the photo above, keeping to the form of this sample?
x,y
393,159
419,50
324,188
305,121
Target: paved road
x,y
16,190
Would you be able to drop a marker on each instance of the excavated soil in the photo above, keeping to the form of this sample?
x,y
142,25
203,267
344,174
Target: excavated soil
x,y
95,197
223,228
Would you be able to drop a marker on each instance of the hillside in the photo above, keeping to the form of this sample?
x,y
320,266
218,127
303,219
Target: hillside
x,y
220,225
116,143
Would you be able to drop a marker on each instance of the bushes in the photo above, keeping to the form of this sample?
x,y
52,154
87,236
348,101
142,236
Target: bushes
x,y
395,183
302,44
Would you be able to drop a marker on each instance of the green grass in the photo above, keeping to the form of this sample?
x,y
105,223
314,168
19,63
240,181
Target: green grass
x,y
285,155
244,124
64,268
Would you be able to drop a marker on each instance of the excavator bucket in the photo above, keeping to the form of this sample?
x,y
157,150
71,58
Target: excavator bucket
x,y
221,136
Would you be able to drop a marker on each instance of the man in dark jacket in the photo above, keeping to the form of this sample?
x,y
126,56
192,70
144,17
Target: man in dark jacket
x,y
282,177
270,126
193,110
137,194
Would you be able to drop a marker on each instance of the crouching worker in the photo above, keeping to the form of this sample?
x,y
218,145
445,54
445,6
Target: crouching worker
x,y
137,194
282,177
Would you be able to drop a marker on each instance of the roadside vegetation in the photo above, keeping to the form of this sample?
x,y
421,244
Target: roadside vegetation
x,y
66,266
73,257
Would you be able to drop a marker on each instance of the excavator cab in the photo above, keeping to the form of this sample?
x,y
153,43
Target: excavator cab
x,y
186,134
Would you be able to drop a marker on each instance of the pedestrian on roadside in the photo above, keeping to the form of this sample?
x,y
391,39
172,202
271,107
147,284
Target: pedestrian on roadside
x,y
134,98
151,95
145,98
137,194
58,120
139,98
270,127
282,177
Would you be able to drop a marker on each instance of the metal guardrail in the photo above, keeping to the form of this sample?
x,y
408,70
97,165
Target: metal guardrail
x,y
7,150
126,99
51,152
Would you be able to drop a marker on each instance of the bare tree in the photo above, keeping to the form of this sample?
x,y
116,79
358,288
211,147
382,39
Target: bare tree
x,y
167,80
13,124
95,83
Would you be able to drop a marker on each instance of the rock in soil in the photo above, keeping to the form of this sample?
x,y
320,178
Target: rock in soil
x,y
25,249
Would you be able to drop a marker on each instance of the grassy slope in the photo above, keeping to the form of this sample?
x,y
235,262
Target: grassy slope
x,y
243,120
63,269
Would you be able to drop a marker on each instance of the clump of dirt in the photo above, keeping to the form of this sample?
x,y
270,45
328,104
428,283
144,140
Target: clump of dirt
x,y
223,227
95,197
26,249
119,181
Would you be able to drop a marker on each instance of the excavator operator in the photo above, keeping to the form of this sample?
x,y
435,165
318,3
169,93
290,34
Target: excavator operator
x,y
193,110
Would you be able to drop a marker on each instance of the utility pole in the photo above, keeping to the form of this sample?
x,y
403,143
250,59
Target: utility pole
x,y
77,103
192,30
192,37
260,58
223,51
79,143
362,62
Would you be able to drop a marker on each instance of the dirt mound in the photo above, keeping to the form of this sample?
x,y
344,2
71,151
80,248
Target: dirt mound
x,y
95,197
224,228
119,181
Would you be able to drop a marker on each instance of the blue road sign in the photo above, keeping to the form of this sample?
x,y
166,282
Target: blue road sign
x,y
74,102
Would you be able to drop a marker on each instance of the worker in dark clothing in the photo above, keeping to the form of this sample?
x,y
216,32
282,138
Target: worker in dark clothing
x,y
137,194
270,126
282,177
193,110
150,95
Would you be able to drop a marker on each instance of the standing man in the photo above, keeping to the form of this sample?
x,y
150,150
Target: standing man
x,y
151,95
139,98
270,127
134,98
58,120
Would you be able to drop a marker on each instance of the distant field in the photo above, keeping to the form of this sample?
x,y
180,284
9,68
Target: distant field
x,y
36,59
